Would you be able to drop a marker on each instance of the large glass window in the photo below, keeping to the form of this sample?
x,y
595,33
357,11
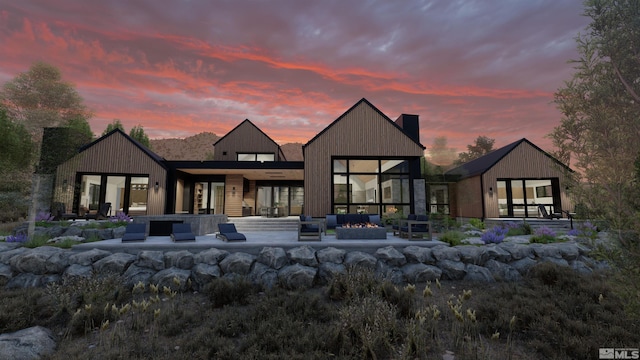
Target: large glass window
x,y
439,198
370,185
125,193
208,197
522,197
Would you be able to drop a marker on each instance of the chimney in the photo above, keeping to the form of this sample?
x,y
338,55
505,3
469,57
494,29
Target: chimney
x,y
410,125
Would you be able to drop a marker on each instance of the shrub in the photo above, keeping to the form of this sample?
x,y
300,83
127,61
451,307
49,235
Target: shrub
x,y
494,235
226,292
544,235
476,223
453,237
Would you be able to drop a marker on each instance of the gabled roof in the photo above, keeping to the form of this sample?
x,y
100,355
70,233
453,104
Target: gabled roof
x,y
365,101
482,164
157,158
249,123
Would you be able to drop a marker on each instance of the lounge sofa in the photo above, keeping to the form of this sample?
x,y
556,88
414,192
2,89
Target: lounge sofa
x,y
337,220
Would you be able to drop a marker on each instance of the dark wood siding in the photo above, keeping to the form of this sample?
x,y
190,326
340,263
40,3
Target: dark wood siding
x,y
361,132
525,161
114,155
245,138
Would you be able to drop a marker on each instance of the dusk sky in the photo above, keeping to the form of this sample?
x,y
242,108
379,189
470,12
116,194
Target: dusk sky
x,y
178,68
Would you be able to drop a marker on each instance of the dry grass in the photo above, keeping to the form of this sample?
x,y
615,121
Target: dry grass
x,y
554,314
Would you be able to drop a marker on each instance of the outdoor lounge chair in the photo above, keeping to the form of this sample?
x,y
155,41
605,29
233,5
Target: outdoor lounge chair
x,y
310,229
400,222
135,232
543,212
60,212
182,232
103,212
228,232
420,227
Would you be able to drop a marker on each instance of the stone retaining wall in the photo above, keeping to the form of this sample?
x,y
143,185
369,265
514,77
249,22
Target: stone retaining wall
x,y
300,267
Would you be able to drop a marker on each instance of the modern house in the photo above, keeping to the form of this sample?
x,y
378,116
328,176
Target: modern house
x,y
363,162
510,182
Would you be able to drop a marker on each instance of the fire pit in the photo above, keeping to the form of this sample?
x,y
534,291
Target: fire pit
x,y
361,231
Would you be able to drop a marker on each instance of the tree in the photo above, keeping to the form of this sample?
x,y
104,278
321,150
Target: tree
x,y
115,124
483,145
137,133
440,153
599,132
40,98
17,151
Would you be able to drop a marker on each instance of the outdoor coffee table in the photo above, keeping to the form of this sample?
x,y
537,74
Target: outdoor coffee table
x,y
361,233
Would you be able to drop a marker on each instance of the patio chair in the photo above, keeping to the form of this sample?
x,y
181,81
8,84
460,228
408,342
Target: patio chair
x,y
182,232
60,212
400,222
419,227
310,229
543,212
228,232
135,232
101,214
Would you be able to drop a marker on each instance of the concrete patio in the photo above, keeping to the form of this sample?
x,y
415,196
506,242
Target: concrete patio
x,y
255,242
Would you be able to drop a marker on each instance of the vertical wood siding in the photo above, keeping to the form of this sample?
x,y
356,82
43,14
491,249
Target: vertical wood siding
x,y
468,198
361,132
233,201
117,155
525,161
246,138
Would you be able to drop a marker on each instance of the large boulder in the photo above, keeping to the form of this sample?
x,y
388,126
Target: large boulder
x,y
330,255
237,263
390,273
359,259
115,263
86,258
31,343
173,278
420,273
568,250
297,276
470,254
203,274
546,251
274,257
150,259
263,275
78,271
6,256
182,259
329,270
391,256
210,256
445,253
136,274
303,255
478,273
452,270
73,231
502,271
523,265
418,254
517,251
496,252
41,260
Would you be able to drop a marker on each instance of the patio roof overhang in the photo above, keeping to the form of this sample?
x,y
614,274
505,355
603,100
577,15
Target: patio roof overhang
x,y
252,170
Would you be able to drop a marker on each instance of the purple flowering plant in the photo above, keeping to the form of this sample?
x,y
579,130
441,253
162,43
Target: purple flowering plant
x,y
120,217
44,216
17,238
494,235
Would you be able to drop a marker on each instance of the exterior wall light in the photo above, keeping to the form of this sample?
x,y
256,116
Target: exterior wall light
x,y
157,186
490,191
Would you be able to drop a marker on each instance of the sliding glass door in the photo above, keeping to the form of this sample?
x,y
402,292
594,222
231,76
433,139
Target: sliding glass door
x,y
522,197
